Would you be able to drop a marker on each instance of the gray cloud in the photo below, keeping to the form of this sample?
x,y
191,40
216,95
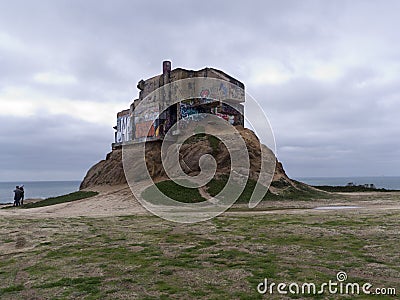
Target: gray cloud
x,y
56,147
325,73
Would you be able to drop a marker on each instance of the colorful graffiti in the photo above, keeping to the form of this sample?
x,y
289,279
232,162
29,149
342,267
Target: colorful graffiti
x,y
187,110
223,90
203,89
150,128
230,109
194,96
144,129
205,93
149,113
236,93
228,118
190,113
159,127
124,129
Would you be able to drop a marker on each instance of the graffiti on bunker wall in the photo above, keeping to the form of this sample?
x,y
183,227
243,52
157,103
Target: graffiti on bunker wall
x,y
150,128
187,110
228,118
144,129
123,129
148,113
229,109
194,94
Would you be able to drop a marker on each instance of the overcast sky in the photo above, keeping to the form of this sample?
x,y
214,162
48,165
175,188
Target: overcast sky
x,y
327,74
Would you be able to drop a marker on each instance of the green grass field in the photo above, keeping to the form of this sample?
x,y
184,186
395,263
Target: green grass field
x,y
144,257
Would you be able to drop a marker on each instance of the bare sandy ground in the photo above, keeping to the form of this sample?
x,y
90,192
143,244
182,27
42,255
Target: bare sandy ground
x,y
111,201
118,201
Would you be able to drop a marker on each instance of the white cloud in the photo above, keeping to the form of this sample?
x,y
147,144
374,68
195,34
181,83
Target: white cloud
x,y
268,72
54,78
25,102
10,43
273,72
325,72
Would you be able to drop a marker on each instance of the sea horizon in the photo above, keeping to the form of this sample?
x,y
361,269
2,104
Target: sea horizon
x,y
22,181
38,189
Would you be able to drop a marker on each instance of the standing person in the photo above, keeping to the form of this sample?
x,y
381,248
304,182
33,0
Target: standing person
x,y
22,194
17,196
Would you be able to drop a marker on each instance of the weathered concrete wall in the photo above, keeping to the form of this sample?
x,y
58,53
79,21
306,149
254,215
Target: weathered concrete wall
x,y
124,126
134,123
233,88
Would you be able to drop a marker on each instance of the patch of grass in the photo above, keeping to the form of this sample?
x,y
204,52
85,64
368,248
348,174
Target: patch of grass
x,y
11,289
4,263
82,284
350,189
215,186
60,199
166,287
174,191
303,192
198,293
166,272
214,144
212,140
40,269
280,184
177,238
246,296
8,240
195,138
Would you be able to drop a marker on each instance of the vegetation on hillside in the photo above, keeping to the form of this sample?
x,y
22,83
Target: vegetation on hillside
x,y
172,190
56,200
286,191
350,189
215,186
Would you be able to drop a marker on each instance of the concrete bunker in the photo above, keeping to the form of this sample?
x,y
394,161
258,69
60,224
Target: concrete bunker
x,y
133,124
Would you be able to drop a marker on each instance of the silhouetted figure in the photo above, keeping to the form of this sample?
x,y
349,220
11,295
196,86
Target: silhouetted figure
x,y
22,195
17,196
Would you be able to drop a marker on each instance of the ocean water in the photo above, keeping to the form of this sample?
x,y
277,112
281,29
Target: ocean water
x,y
37,189
386,182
